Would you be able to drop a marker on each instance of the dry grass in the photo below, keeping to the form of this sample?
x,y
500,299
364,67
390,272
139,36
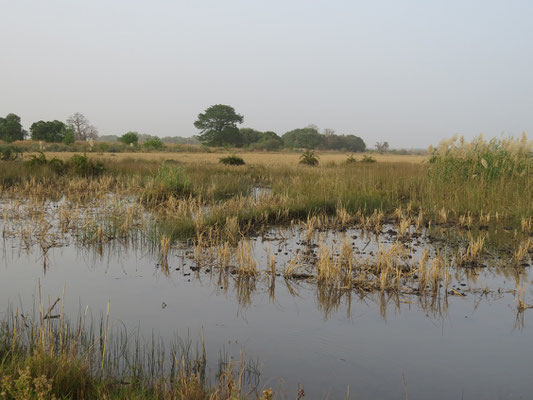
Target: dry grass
x,y
259,158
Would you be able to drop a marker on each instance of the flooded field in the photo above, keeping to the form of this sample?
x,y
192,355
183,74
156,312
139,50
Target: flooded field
x,y
365,306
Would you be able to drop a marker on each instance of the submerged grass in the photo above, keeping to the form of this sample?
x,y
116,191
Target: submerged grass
x,y
190,199
48,357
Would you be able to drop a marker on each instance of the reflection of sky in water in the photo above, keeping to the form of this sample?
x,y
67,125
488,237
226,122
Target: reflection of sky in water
x,y
472,348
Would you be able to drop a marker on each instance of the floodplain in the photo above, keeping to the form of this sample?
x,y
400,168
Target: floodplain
x,y
405,277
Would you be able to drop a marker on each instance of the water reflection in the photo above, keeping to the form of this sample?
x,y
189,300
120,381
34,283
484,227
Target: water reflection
x,y
365,311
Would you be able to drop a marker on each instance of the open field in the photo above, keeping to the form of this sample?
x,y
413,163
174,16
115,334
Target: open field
x,y
266,158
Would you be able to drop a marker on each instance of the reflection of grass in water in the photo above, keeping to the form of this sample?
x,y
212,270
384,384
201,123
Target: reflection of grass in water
x,y
114,224
215,207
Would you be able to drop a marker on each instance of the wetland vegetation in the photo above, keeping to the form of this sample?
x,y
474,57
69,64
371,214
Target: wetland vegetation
x,y
452,229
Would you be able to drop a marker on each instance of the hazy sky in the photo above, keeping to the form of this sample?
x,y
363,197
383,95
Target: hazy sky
x,y
407,72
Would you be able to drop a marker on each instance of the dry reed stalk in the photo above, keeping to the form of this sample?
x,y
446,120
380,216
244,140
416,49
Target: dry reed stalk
x,y
163,256
419,220
473,251
245,259
403,227
443,216
526,224
523,250
224,255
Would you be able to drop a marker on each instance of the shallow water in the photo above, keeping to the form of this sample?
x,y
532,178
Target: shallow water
x,y
475,346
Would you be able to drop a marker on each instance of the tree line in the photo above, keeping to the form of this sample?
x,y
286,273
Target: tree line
x,y
77,127
217,125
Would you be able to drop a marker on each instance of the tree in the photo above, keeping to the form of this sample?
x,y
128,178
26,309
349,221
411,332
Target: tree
x,y
83,130
154,143
48,131
382,147
11,128
218,125
69,136
307,138
129,138
353,143
343,142
249,136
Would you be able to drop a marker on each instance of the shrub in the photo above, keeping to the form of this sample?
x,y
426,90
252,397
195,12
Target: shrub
x,y
268,145
37,160
81,165
58,166
232,160
309,158
368,159
154,143
129,138
9,153
351,159
69,137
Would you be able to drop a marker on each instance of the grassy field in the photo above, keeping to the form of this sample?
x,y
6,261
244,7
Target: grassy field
x,y
258,158
472,181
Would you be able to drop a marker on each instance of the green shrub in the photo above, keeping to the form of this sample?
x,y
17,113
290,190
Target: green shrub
x,y
81,165
232,160
9,152
309,158
154,143
368,159
351,159
129,138
37,160
58,166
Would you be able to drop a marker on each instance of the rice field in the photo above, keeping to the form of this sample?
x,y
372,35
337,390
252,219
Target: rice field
x,y
347,279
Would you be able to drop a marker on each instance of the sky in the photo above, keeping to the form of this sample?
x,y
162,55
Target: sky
x,y
407,72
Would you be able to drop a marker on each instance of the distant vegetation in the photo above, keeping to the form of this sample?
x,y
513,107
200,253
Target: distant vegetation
x,y
218,126
309,158
232,160
11,128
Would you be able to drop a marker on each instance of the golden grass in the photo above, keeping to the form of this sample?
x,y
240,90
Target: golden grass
x,y
260,158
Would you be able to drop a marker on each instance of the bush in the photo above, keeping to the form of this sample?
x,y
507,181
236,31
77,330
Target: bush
x,y
154,143
268,145
368,159
309,158
76,165
37,160
69,137
81,165
129,138
351,159
57,166
232,160
9,153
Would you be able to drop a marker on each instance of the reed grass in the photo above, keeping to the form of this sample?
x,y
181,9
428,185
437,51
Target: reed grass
x,y
49,357
295,192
